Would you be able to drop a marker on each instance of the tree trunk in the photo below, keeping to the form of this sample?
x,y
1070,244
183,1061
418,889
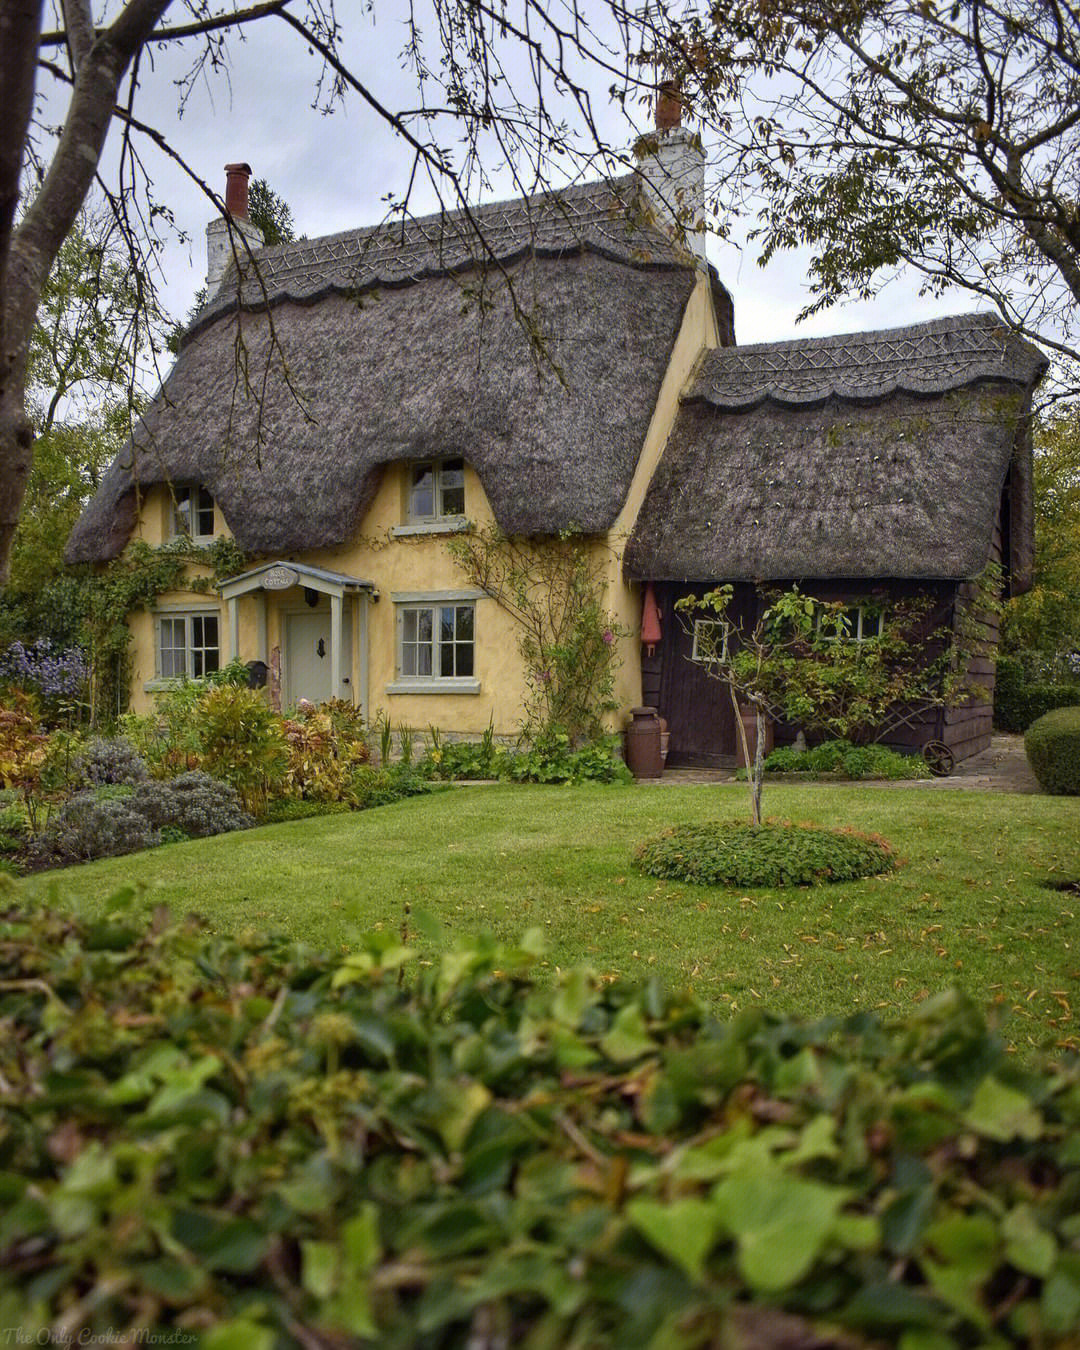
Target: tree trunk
x,y
757,774
29,254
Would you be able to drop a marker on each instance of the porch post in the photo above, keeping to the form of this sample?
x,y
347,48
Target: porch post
x,y
335,645
260,628
364,605
234,628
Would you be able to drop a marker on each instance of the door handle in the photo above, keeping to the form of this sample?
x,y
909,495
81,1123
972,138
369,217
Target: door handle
x,y
320,648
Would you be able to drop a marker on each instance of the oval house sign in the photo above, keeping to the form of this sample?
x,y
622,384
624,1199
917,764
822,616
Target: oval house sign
x,y
279,579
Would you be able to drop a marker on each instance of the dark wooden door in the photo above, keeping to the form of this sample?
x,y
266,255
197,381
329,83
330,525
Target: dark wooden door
x,y
697,706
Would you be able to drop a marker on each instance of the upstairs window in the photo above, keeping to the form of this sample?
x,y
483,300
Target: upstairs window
x,y
193,512
437,490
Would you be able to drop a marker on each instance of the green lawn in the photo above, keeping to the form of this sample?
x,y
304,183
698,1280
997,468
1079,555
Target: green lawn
x,y
969,906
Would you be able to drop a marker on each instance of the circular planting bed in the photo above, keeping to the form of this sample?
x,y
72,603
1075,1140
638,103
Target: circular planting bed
x,y
733,853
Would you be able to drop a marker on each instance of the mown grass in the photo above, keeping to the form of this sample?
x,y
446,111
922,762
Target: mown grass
x,y
970,905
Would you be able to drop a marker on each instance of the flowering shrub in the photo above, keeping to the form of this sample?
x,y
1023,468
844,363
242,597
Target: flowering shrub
x,y
60,677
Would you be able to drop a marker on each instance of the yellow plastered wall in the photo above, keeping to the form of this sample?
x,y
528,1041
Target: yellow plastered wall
x,y
697,335
421,564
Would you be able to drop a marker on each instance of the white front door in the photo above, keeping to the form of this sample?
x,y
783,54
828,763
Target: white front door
x,y
309,660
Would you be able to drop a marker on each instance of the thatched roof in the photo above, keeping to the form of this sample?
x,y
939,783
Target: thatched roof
x,y
875,455
392,344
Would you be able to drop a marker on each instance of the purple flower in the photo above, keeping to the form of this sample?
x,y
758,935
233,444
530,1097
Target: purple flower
x,y
53,674
609,636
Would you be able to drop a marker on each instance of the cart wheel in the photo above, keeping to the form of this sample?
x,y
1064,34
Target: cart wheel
x,y
939,758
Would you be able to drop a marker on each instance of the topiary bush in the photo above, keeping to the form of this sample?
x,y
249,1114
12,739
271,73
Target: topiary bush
x,y
1052,746
110,760
194,802
244,1141
89,826
734,853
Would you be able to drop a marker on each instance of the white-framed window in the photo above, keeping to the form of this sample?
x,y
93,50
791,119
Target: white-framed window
x,y
437,641
193,511
188,645
436,490
864,622
710,641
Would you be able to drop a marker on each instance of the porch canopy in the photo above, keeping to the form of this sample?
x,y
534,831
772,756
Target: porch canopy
x,y
283,576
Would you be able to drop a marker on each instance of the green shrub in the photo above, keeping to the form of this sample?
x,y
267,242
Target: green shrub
x,y
1021,698
242,742
734,853
1052,745
281,1149
552,759
847,761
280,809
382,786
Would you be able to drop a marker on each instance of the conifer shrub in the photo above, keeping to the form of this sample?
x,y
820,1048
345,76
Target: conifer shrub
x,y
735,853
242,1140
1052,746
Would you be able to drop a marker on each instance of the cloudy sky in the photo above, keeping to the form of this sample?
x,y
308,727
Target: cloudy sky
x,y
336,170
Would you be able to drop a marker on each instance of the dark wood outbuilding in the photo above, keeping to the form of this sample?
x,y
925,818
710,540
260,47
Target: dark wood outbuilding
x,y
862,467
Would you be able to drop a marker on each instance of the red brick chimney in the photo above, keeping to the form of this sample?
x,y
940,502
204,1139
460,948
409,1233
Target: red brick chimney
x,y
236,190
668,106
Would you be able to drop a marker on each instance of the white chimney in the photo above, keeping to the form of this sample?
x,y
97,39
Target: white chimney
x,y
219,245
672,165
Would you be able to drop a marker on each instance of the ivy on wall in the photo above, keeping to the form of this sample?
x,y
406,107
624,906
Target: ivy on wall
x,y
133,582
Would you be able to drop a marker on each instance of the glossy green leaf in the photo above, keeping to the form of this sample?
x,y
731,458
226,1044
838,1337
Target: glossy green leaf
x,y
683,1230
781,1224
1000,1112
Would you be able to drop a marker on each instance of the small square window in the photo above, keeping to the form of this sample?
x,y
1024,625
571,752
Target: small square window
x,y
437,490
710,641
193,512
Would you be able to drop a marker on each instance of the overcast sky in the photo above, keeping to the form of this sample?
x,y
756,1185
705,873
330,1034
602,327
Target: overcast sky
x,y
335,170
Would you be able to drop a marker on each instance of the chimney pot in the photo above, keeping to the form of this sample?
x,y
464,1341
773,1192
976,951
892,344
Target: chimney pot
x,y
236,190
668,106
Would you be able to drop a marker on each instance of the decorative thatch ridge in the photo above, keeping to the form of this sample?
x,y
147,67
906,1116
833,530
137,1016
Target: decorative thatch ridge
x,y
876,455
607,218
925,358
384,356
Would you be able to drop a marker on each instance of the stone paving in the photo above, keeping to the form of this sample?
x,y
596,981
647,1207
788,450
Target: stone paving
x,y
1002,767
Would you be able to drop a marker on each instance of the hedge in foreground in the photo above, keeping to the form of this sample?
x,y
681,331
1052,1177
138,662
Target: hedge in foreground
x,y
1052,745
266,1147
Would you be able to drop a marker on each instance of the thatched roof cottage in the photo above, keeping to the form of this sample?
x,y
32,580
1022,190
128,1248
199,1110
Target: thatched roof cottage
x,y
342,404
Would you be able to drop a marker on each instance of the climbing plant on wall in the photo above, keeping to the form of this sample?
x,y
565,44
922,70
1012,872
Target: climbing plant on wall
x,y
554,590
133,582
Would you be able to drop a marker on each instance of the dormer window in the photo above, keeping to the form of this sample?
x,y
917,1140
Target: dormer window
x,y
193,512
436,490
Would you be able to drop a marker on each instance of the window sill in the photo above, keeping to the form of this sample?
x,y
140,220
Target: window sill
x,y
458,684
450,525
163,682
